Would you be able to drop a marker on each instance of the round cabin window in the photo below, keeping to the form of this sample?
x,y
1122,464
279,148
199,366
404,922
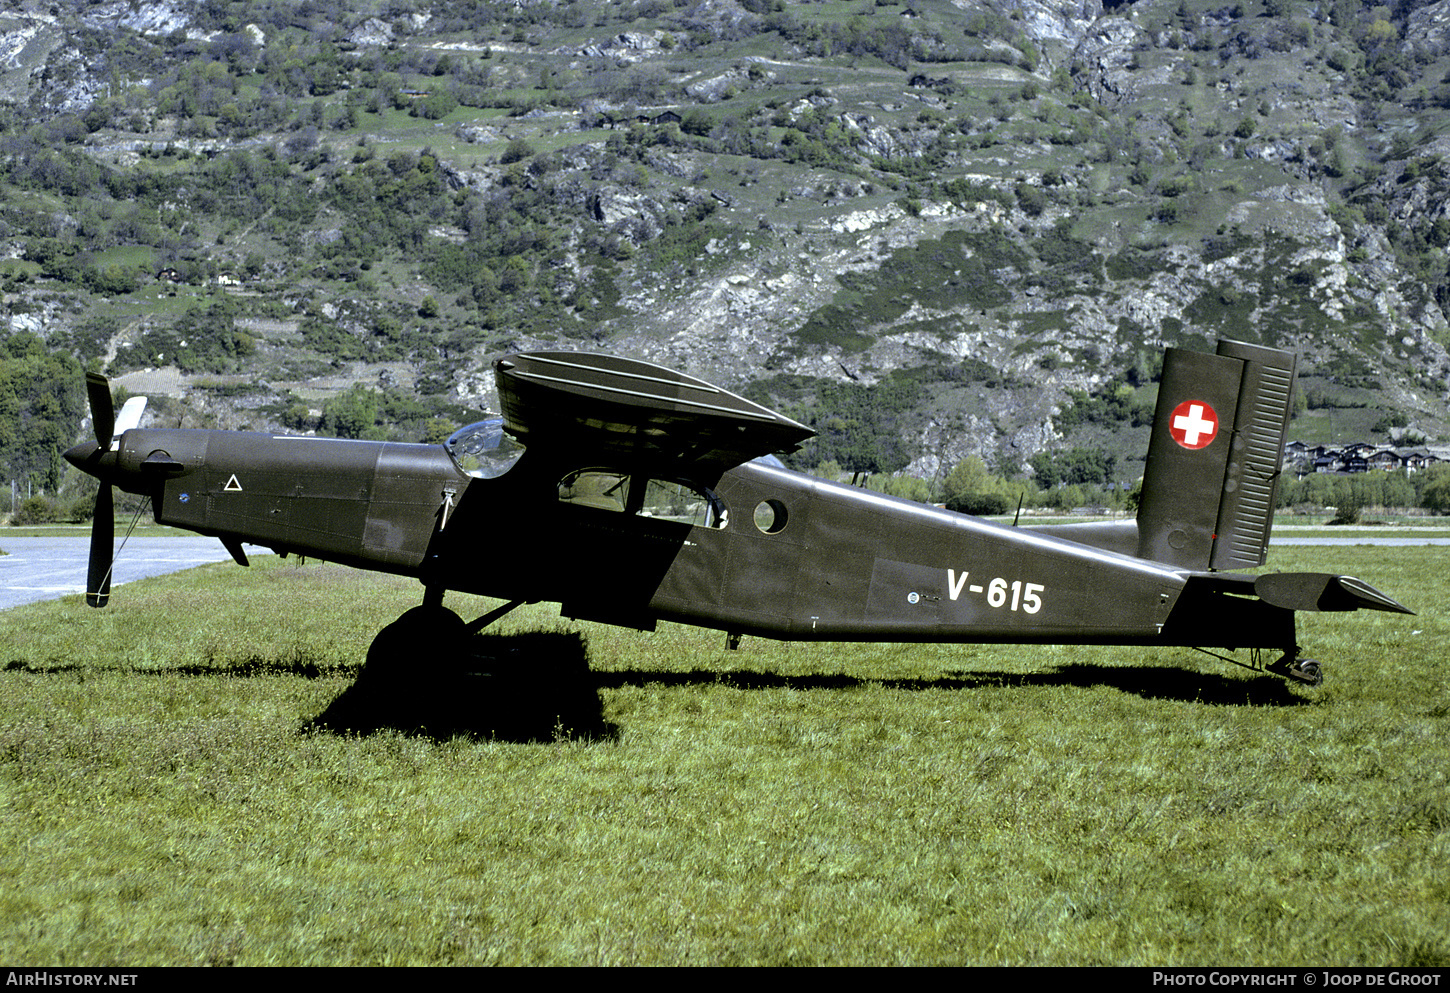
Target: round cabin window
x,y
770,516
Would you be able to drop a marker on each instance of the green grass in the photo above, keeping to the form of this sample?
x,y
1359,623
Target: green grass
x,y
808,804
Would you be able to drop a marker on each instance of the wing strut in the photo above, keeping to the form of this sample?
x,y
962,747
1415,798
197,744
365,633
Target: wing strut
x,y
493,615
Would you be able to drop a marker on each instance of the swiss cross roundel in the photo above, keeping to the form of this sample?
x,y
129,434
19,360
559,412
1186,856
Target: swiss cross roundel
x,y
1193,424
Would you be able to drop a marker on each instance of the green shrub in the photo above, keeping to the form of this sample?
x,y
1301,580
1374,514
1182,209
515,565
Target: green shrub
x,y
36,510
979,504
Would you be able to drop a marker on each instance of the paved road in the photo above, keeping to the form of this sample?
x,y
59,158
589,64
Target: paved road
x,y
51,567
1387,541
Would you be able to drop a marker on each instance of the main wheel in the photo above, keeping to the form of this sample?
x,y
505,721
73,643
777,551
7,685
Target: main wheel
x,y
423,637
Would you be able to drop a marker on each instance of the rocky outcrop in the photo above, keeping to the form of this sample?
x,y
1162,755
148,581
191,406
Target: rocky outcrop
x,y
158,17
1063,21
637,217
628,46
1428,28
1103,61
373,32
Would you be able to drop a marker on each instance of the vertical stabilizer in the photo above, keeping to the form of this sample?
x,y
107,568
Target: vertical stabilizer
x,y
1214,458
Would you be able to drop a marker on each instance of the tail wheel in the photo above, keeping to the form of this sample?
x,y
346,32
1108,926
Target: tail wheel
x,y
1306,671
1309,671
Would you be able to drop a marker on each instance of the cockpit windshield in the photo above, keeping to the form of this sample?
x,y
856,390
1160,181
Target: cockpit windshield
x,y
483,449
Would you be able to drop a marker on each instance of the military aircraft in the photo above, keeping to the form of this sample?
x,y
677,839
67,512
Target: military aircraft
x,y
628,493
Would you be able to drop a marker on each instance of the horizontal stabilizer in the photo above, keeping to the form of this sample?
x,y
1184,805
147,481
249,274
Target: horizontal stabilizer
x,y
1323,592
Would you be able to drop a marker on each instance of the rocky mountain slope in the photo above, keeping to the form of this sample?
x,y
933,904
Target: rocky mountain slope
x,y
934,229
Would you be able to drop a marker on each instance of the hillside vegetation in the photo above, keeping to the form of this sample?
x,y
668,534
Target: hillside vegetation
x,y
979,223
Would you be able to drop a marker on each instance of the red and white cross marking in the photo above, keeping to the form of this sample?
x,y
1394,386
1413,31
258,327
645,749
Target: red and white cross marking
x,y
1193,424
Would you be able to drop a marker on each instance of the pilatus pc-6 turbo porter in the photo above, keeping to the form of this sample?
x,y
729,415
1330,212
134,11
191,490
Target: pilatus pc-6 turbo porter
x,y
629,494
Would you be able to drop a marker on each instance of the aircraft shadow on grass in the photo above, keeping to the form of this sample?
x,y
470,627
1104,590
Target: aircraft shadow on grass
x,y
538,686
529,687
1150,683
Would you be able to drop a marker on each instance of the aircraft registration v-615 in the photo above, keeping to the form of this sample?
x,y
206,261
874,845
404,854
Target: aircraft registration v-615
x,y
628,494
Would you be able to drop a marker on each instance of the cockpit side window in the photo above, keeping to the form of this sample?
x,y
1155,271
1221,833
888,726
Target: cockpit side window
x,y
676,501
598,488
666,499
483,449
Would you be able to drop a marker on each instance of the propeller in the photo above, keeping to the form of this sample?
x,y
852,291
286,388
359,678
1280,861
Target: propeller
x,y
103,537
97,461
103,523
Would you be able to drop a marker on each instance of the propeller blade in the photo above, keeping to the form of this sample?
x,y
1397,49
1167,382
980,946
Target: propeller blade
x,y
103,408
103,533
130,417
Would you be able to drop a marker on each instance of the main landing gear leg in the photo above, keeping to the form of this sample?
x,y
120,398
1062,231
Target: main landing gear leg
x,y
1290,666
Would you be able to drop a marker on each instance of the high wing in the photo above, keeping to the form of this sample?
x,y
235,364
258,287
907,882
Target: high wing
x,y
635,413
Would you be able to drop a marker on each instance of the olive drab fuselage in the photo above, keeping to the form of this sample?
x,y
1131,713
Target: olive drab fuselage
x,y
788,556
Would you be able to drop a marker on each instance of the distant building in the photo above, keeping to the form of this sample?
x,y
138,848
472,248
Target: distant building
x,y
1386,459
1416,459
1357,456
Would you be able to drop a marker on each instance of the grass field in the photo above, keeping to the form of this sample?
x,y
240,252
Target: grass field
x,y
167,798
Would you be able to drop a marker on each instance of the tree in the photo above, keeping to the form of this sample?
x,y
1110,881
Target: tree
x,y
42,401
1436,494
972,489
969,476
111,280
517,150
696,122
353,413
1076,467
36,510
979,504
